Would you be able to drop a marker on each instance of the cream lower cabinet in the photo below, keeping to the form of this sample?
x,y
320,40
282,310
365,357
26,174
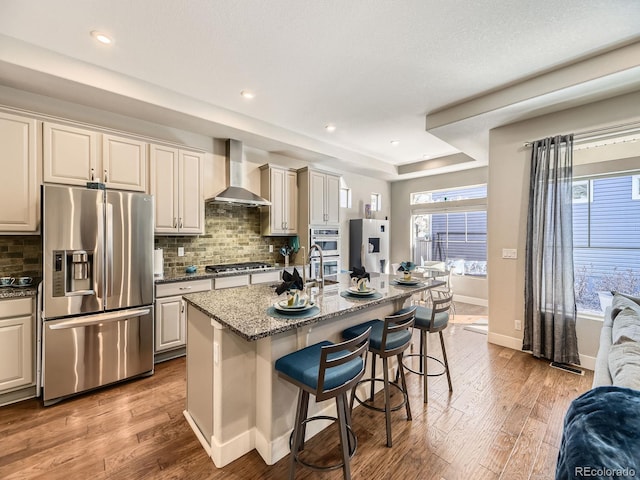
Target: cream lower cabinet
x,y
176,184
75,156
170,316
16,343
20,181
279,186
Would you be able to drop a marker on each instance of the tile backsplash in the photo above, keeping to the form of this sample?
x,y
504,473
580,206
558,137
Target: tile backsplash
x,y
232,234
20,255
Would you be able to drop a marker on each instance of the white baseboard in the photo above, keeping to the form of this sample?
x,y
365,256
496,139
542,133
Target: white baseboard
x,y
505,341
514,343
224,453
201,438
483,302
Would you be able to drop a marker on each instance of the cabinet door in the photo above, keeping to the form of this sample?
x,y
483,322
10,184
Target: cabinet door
x,y
317,183
290,207
124,163
170,323
70,155
19,191
163,162
16,352
278,201
332,199
191,200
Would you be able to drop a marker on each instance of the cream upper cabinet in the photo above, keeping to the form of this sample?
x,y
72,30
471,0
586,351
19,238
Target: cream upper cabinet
x,y
322,194
176,184
279,186
124,163
75,156
16,343
20,184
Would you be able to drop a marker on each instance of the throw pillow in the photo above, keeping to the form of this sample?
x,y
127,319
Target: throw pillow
x,y
630,297
624,364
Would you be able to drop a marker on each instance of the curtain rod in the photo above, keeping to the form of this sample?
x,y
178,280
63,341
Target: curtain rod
x,y
586,134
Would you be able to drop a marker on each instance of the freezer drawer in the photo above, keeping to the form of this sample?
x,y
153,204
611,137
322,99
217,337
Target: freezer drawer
x,y
86,352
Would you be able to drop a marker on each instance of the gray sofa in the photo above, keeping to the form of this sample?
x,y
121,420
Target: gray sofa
x,y
601,435
618,359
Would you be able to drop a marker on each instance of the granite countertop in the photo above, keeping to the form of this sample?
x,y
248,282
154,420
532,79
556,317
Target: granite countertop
x,y
17,292
202,274
244,309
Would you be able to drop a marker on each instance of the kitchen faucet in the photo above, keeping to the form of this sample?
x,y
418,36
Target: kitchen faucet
x,y
321,279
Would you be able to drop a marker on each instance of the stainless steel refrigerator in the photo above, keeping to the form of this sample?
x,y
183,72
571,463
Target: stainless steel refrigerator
x,y
369,244
97,289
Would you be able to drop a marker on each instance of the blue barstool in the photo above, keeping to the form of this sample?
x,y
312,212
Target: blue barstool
x,y
431,320
388,338
326,370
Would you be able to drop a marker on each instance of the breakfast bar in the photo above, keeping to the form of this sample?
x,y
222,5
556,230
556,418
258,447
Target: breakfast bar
x,y
235,400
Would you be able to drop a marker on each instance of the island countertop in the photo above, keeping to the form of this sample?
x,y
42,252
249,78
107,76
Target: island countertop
x,y
244,309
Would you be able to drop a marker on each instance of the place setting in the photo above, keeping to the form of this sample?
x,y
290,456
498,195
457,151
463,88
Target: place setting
x,y
297,304
360,288
406,279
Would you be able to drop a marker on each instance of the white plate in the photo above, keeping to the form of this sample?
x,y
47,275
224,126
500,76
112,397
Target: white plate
x,y
355,291
288,309
408,282
284,305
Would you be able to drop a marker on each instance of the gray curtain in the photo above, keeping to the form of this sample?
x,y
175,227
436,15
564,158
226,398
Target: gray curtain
x,y
550,305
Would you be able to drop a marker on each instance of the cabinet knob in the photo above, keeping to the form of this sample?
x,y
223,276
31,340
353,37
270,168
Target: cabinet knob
x,y
180,219
175,222
105,177
93,175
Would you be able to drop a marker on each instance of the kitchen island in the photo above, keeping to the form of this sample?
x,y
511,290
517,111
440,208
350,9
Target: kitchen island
x,y
235,400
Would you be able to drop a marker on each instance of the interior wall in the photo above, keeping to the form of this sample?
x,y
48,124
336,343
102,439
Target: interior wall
x,y
472,290
508,187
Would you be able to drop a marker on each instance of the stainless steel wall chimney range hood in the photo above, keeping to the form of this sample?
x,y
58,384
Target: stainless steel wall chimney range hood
x,y
235,193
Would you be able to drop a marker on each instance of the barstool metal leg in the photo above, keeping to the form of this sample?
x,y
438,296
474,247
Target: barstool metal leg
x,y
446,363
424,367
303,399
387,399
405,392
341,404
373,375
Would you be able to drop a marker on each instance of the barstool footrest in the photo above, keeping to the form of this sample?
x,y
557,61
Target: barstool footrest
x,y
324,468
380,409
422,373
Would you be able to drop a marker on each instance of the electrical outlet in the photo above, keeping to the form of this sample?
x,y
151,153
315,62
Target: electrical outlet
x,y
270,248
510,253
518,325
181,251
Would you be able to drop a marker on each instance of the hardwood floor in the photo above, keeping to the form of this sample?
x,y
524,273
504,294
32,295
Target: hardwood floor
x,y
502,421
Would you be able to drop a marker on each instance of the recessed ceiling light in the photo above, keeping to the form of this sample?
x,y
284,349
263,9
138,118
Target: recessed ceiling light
x,y
248,94
330,127
101,37
395,143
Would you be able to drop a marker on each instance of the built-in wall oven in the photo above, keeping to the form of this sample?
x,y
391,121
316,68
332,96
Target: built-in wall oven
x,y
328,239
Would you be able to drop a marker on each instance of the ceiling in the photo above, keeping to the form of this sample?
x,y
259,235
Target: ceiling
x,y
373,68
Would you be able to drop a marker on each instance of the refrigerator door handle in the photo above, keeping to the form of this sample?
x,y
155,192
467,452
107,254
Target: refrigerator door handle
x,y
87,321
109,250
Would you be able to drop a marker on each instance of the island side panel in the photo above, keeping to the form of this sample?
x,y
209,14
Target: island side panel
x,y
200,371
234,415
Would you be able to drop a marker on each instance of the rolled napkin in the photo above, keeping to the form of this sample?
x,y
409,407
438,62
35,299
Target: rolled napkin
x,y
357,272
290,282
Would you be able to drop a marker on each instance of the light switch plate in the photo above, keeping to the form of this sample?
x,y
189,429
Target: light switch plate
x,y
510,253
181,251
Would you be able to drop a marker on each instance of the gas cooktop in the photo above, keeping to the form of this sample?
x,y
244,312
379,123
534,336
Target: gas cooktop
x,y
238,267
